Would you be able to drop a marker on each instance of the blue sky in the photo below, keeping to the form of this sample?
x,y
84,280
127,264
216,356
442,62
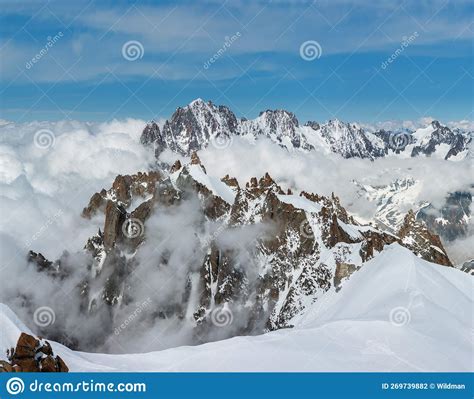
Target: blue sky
x,y
83,74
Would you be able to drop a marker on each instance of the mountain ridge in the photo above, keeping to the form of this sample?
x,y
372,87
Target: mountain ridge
x,y
199,124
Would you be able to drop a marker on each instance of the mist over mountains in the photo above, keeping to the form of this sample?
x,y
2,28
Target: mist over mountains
x,y
209,219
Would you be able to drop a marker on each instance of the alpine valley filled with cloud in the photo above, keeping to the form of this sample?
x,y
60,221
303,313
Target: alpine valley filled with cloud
x,y
204,238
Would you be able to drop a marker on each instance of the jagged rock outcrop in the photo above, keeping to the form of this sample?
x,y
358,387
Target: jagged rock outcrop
x,y
468,267
309,236
258,252
151,134
193,127
32,355
452,220
416,237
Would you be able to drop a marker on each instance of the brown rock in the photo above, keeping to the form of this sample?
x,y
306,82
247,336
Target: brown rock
x,y
47,364
33,355
5,367
96,202
195,160
416,237
26,346
230,181
176,166
343,270
27,365
46,349
114,218
62,368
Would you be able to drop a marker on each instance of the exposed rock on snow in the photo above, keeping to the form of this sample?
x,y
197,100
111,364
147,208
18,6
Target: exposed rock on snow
x,y
32,355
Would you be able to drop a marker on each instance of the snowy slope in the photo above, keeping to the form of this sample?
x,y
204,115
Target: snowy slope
x,y
398,313
10,329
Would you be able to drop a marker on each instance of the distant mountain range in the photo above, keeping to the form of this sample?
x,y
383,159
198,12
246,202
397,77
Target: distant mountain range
x,y
201,123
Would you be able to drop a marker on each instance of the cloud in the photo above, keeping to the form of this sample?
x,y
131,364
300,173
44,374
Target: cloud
x,y
178,39
41,178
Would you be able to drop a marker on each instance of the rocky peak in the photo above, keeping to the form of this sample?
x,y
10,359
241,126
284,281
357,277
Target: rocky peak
x,y
176,166
195,160
32,355
313,125
415,236
230,181
192,127
150,134
280,126
351,141
436,125
452,219
435,137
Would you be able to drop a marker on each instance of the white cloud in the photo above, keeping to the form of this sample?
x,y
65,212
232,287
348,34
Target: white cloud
x,y
37,183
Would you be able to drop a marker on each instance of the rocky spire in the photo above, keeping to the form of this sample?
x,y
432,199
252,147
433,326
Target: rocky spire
x,y
415,236
150,134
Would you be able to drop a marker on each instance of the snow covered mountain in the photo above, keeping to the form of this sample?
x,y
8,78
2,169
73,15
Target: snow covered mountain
x,y
393,201
397,313
205,251
201,123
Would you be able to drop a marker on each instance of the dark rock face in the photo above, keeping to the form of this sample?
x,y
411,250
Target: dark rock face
x,y
468,267
416,237
32,355
151,134
313,125
193,127
451,221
